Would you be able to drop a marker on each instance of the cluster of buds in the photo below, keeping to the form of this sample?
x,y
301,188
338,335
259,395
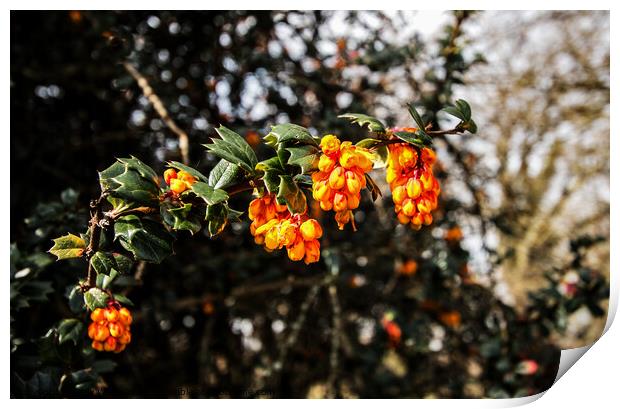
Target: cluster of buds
x,y
274,227
179,181
341,177
110,328
413,185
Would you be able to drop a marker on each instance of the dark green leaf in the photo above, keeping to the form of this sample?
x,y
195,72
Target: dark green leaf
x,y
471,126
181,218
375,192
290,133
145,239
122,299
133,188
410,137
416,116
455,112
306,157
231,153
290,194
217,218
70,330
464,107
68,246
373,124
234,138
224,174
76,300
123,263
95,298
368,143
271,178
210,195
102,262
136,164
272,163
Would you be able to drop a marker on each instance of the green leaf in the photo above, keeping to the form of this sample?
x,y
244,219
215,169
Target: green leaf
x,y
291,194
224,174
465,109
190,170
106,176
471,126
136,164
145,239
124,264
95,298
306,157
416,116
70,330
136,189
455,112
271,178
272,163
368,143
234,138
181,218
234,215
102,262
373,124
410,137
217,218
76,300
69,246
210,195
105,280
290,133
234,153
122,299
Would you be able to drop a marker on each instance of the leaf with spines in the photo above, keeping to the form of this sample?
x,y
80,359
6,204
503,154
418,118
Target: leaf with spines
x,y
233,148
145,239
95,298
305,156
102,262
291,195
291,133
373,124
217,218
207,193
70,330
68,246
224,174
181,218
143,169
237,140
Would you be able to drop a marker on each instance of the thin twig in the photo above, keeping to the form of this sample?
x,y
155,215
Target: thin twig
x,y
335,340
94,233
148,92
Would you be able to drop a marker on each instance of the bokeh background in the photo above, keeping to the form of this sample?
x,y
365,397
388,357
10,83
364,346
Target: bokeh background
x,y
513,269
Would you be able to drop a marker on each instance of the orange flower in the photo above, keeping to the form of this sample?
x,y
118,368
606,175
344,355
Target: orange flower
x,y
274,227
414,187
110,330
341,177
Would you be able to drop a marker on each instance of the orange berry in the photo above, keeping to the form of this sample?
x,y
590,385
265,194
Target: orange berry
x,y
399,194
343,218
340,202
109,344
97,315
186,177
116,329
119,347
125,316
169,174
414,188
313,251
326,205
101,333
125,337
111,314
92,330
330,144
97,346
297,251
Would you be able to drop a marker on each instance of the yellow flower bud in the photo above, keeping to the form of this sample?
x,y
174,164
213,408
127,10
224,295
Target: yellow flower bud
x,y
353,183
310,230
399,194
255,209
321,191
109,344
340,202
297,251
97,346
336,178
326,205
326,163
186,177
313,251
402,218
353,201
330,144
342,218
391,174
178,186
408,157
348,157
414,188
408,207
287,234
271,239
169,174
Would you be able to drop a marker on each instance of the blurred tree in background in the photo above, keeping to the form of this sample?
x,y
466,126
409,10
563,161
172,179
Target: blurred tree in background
x,y
477,304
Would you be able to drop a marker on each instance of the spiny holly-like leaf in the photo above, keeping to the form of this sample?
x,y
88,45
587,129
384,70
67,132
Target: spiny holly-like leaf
x,y
95,298
143,169
217,218
416,116
104,280
271,178
272,163
224,174
123,263
210,195
373,124
234,215
69,246
136,189
102,262
145,239
179,166
306,157
106,176
70,330
291,133
291,195
237,140
181,218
